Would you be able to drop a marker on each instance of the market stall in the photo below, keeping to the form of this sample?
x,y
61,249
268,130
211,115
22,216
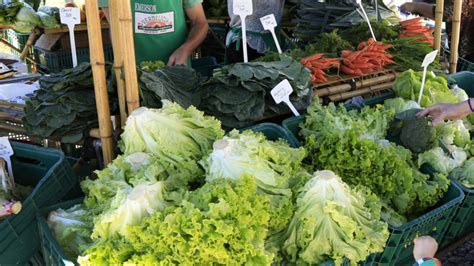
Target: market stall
x,y
312,155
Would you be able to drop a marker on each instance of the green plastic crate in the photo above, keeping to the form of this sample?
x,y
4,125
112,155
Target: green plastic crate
x,y
274,132
52,252
52,177
465,80
57,61
18,40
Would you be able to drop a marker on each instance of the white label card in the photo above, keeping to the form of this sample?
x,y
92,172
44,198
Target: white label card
x,y
5,147
268,22
282,91
70,15
242,7
429,58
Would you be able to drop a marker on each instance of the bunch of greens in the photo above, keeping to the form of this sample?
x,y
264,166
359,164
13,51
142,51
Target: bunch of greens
x,y
224,222
275,166
334,135
383,30
26,19
465,174
333,221
64,107
8,12
178,84
239,94
170,132
441,161
72,228
408,86
151,66
409,54
48,21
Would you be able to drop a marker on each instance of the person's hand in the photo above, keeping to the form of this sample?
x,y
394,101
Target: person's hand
x,y
442,112
408,8
180,56
425,247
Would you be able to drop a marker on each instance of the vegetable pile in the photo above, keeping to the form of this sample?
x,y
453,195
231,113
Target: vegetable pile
x,y
22,17
318,64
415,28
239,94
64,107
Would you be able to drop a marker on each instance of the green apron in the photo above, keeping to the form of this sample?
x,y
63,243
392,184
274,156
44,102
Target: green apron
x,y
159,28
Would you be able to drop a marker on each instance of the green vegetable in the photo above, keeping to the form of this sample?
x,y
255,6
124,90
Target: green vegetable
x,y
169,83
454,132
418,134
64,107
333,221
47,21
275,165
51,11
465,174
399,104
170,132
8,12
442,162
408,86
239,94
334,135
224,222
383,31
409,54
26,19
151,66
72,229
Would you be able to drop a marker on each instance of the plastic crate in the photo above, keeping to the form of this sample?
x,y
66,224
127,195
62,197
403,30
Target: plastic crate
x,y
465,80
462,223
399,248
52,177
274,132
18,40
53,253
57,61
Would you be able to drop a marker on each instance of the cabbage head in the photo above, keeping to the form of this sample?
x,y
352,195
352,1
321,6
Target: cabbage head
x,y
26,19
442,162
400,105
333,221
454,132
172,131
465,174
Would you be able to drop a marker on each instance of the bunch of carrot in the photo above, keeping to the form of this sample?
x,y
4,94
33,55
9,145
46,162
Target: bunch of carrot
x,y
370,57
415,28
318,64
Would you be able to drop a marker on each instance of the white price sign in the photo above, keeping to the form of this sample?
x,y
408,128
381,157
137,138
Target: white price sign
x,y
429,58
6,152
269,23
282,92
243,8
71,16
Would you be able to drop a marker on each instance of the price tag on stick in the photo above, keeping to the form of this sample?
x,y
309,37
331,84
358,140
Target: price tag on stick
x,y
71,16
429,58
6,152
243,8
269,23
282,92
359,2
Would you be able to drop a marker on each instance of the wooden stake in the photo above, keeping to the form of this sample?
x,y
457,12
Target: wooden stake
x,y
100,87
438,24
128,46
455,32
114,11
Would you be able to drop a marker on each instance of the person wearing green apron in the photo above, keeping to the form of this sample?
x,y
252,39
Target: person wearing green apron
x,y
160,31
259,41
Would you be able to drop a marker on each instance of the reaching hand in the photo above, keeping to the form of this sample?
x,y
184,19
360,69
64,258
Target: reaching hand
x,y
179,57
425,247
442,112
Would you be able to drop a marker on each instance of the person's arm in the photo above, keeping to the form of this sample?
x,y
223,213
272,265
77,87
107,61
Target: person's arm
x,y
423,9
196,36
442,112
424,251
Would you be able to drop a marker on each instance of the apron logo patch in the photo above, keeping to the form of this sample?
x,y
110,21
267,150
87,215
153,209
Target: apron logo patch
x,y
154,23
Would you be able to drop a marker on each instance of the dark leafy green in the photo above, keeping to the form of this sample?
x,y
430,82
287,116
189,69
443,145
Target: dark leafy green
x,y
64,107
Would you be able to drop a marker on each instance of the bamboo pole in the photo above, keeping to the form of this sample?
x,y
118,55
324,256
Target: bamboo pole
x,y
29,43
358,85
114,11
347,95
128,46
98,69
438,23
455,32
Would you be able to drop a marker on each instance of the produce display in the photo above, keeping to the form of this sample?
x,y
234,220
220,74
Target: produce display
x,y
465,174
23,18
415,28
64,107
239,94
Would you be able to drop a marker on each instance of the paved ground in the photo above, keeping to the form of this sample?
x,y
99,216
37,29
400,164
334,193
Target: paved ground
x,y
459,254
